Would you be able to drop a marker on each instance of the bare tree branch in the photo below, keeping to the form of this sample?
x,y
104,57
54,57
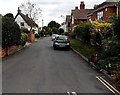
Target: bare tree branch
x,y
31,10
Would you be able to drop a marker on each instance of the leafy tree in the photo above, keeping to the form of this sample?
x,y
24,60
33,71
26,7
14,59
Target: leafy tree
x,y
10,31
53,24
55,30
53,27
45,30
49,31
61,31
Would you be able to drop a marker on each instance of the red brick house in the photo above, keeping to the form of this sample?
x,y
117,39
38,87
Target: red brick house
x,y
102,12
79,15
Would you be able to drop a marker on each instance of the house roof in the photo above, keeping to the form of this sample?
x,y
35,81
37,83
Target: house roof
x,y
104,5
80,14
27,19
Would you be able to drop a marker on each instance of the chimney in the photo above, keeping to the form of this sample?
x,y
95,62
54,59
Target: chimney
x,y
27,15
19,11
76,8
82,5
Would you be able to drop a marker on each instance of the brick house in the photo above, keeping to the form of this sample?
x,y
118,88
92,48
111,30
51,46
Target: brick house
x,y
103,11
24,21
79,15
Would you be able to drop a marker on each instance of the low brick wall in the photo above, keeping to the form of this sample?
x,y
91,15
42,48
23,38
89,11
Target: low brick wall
x,y
8,50
31,37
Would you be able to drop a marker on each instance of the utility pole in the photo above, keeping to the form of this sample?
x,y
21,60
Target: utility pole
x,y
42,24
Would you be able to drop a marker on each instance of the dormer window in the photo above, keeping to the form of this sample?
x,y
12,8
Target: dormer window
x,y
22,23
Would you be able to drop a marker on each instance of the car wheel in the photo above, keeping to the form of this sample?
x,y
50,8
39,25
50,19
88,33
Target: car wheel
x,y
68,49
54,48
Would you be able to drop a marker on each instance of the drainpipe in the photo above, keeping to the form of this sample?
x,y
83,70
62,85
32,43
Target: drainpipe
x,y
117,11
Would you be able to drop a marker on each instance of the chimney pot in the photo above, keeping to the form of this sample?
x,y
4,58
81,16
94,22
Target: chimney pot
x,y
76,7
27,15
82,5
19,11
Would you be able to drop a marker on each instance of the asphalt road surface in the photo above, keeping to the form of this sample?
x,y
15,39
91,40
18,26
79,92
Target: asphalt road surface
x,y
40,69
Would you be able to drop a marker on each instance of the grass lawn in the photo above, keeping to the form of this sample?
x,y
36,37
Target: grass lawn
x,y
83,48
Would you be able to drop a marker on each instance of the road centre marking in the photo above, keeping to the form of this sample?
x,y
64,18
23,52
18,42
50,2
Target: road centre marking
x,y
106,85
72,93
68,93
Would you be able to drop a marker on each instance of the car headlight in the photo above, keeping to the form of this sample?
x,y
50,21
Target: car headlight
x,y
68,43
56,43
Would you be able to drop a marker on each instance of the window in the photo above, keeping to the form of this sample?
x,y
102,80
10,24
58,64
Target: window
x,y
106,9
100,15
22,23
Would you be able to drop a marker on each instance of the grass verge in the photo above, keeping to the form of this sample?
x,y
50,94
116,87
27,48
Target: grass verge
x,y
85,49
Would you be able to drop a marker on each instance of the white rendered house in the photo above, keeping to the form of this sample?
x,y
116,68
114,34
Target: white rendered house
x,y
24,21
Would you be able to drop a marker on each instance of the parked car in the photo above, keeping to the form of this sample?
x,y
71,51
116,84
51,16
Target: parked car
x,y
54,36
61,42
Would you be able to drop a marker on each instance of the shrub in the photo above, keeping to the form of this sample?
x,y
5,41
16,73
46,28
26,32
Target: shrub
x,y
72,35
100,31
83,31
25,30
101,64
23,39
66,33
37,36
116,25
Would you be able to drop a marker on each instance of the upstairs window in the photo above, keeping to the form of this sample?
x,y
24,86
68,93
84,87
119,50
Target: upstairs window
x,y
100,16
22,23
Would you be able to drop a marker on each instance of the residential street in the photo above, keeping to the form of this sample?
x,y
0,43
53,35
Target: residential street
x,y
40,69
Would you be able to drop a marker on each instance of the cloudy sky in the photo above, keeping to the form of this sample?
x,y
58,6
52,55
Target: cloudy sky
x,y
51,9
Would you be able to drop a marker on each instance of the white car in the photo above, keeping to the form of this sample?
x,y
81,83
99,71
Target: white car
x,y
54,36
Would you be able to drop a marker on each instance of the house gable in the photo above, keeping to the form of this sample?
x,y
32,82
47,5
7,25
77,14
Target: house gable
x,y
80,15
25,21
20,20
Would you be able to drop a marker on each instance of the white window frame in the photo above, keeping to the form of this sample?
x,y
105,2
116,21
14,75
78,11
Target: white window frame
x,y
100,16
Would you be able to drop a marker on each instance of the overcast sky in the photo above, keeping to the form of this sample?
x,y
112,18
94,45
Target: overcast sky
x,y
51,9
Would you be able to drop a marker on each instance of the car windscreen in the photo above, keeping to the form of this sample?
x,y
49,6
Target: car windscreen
x,y
61,38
